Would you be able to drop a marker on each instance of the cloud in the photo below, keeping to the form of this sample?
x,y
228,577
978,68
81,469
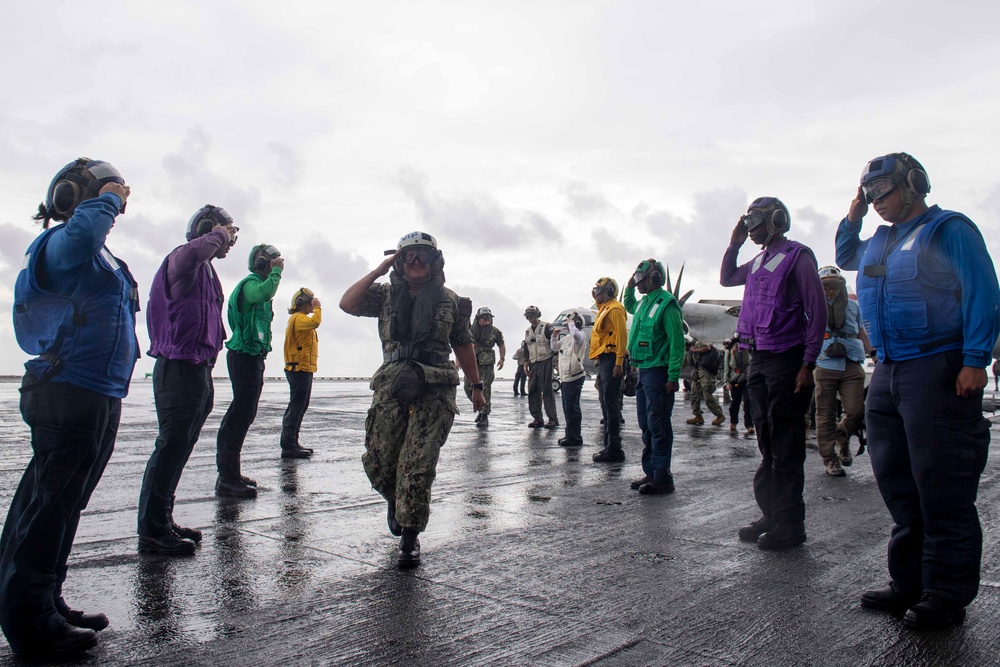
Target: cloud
x,y
191,179
584,202
286,164
611,248
476,220
542,226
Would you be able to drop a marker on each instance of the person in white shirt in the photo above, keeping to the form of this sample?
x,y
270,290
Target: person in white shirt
x,y
571,347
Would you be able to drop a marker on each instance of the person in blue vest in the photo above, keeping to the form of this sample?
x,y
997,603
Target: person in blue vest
x,y
184,322
74,310
931,305
783,321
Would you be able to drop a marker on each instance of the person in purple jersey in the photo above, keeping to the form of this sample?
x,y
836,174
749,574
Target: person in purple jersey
x,y
184,320
930,302
74,310
783,321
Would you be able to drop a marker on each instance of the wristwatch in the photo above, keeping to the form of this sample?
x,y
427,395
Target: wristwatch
x,y
811,365
477,385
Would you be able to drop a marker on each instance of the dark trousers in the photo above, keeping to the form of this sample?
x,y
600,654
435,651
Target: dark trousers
x,y
778,417
571,408
520,379
654,404
184,395
609,394
73,434
300,384
540,390
928,448
246,372
740,396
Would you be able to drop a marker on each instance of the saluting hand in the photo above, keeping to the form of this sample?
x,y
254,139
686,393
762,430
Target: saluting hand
x,y
122,191
859,207
740,233
386,264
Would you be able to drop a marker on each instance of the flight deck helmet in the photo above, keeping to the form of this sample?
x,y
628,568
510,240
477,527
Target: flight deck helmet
x,y
205,219
884,174
77,182
606,286
769,211
652,269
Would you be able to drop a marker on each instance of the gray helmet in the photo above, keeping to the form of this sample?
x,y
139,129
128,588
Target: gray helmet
x,y
484,312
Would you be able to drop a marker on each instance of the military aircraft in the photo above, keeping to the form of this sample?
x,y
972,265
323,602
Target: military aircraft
x,y
708,320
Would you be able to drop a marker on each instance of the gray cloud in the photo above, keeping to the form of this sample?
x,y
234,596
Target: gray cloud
x,y
286,165
582,201
542,226
477,221
611,248
190,178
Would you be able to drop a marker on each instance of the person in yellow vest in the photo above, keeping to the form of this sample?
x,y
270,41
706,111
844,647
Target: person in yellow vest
x,y
301,350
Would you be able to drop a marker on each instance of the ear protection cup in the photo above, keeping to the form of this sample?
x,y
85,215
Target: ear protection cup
x,y
656,274
656,278
65,197
260,264
917,180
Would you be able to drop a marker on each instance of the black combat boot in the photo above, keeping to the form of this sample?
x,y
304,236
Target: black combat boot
x,y
409,548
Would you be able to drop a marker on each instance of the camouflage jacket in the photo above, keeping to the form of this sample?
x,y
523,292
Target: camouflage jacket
x,y
487,340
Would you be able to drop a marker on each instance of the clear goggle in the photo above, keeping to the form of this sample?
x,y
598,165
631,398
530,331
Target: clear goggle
x,y
754,220
425,255
878,188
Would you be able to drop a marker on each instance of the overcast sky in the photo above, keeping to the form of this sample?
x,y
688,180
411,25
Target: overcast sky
x,y
544,144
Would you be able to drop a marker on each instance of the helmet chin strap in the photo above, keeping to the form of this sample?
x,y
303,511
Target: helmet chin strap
x,y
906,198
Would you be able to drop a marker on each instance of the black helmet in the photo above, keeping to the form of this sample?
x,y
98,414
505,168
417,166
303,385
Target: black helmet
x,y
205,219
769,211
75,183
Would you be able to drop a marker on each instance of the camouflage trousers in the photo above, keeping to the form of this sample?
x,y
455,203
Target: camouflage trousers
x,y
702,387
486,377
402,444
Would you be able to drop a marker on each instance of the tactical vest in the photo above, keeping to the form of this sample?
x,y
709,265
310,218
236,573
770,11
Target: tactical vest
x,y
539,347
251,328
911,307
771,317
92,335
485,354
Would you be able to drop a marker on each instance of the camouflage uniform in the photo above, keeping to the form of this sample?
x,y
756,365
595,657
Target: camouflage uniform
x,y
486,358
702,385
403,440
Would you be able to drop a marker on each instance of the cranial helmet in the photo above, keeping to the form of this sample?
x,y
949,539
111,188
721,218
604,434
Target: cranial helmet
x,y
301,297
606,286
831,274
484,312
75,183
423,246
261,256
652,269
768,211
577,320
205,219
883,174
532,311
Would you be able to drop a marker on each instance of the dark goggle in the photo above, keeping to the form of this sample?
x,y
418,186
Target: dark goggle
x,y
878,188
754,220
425,255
